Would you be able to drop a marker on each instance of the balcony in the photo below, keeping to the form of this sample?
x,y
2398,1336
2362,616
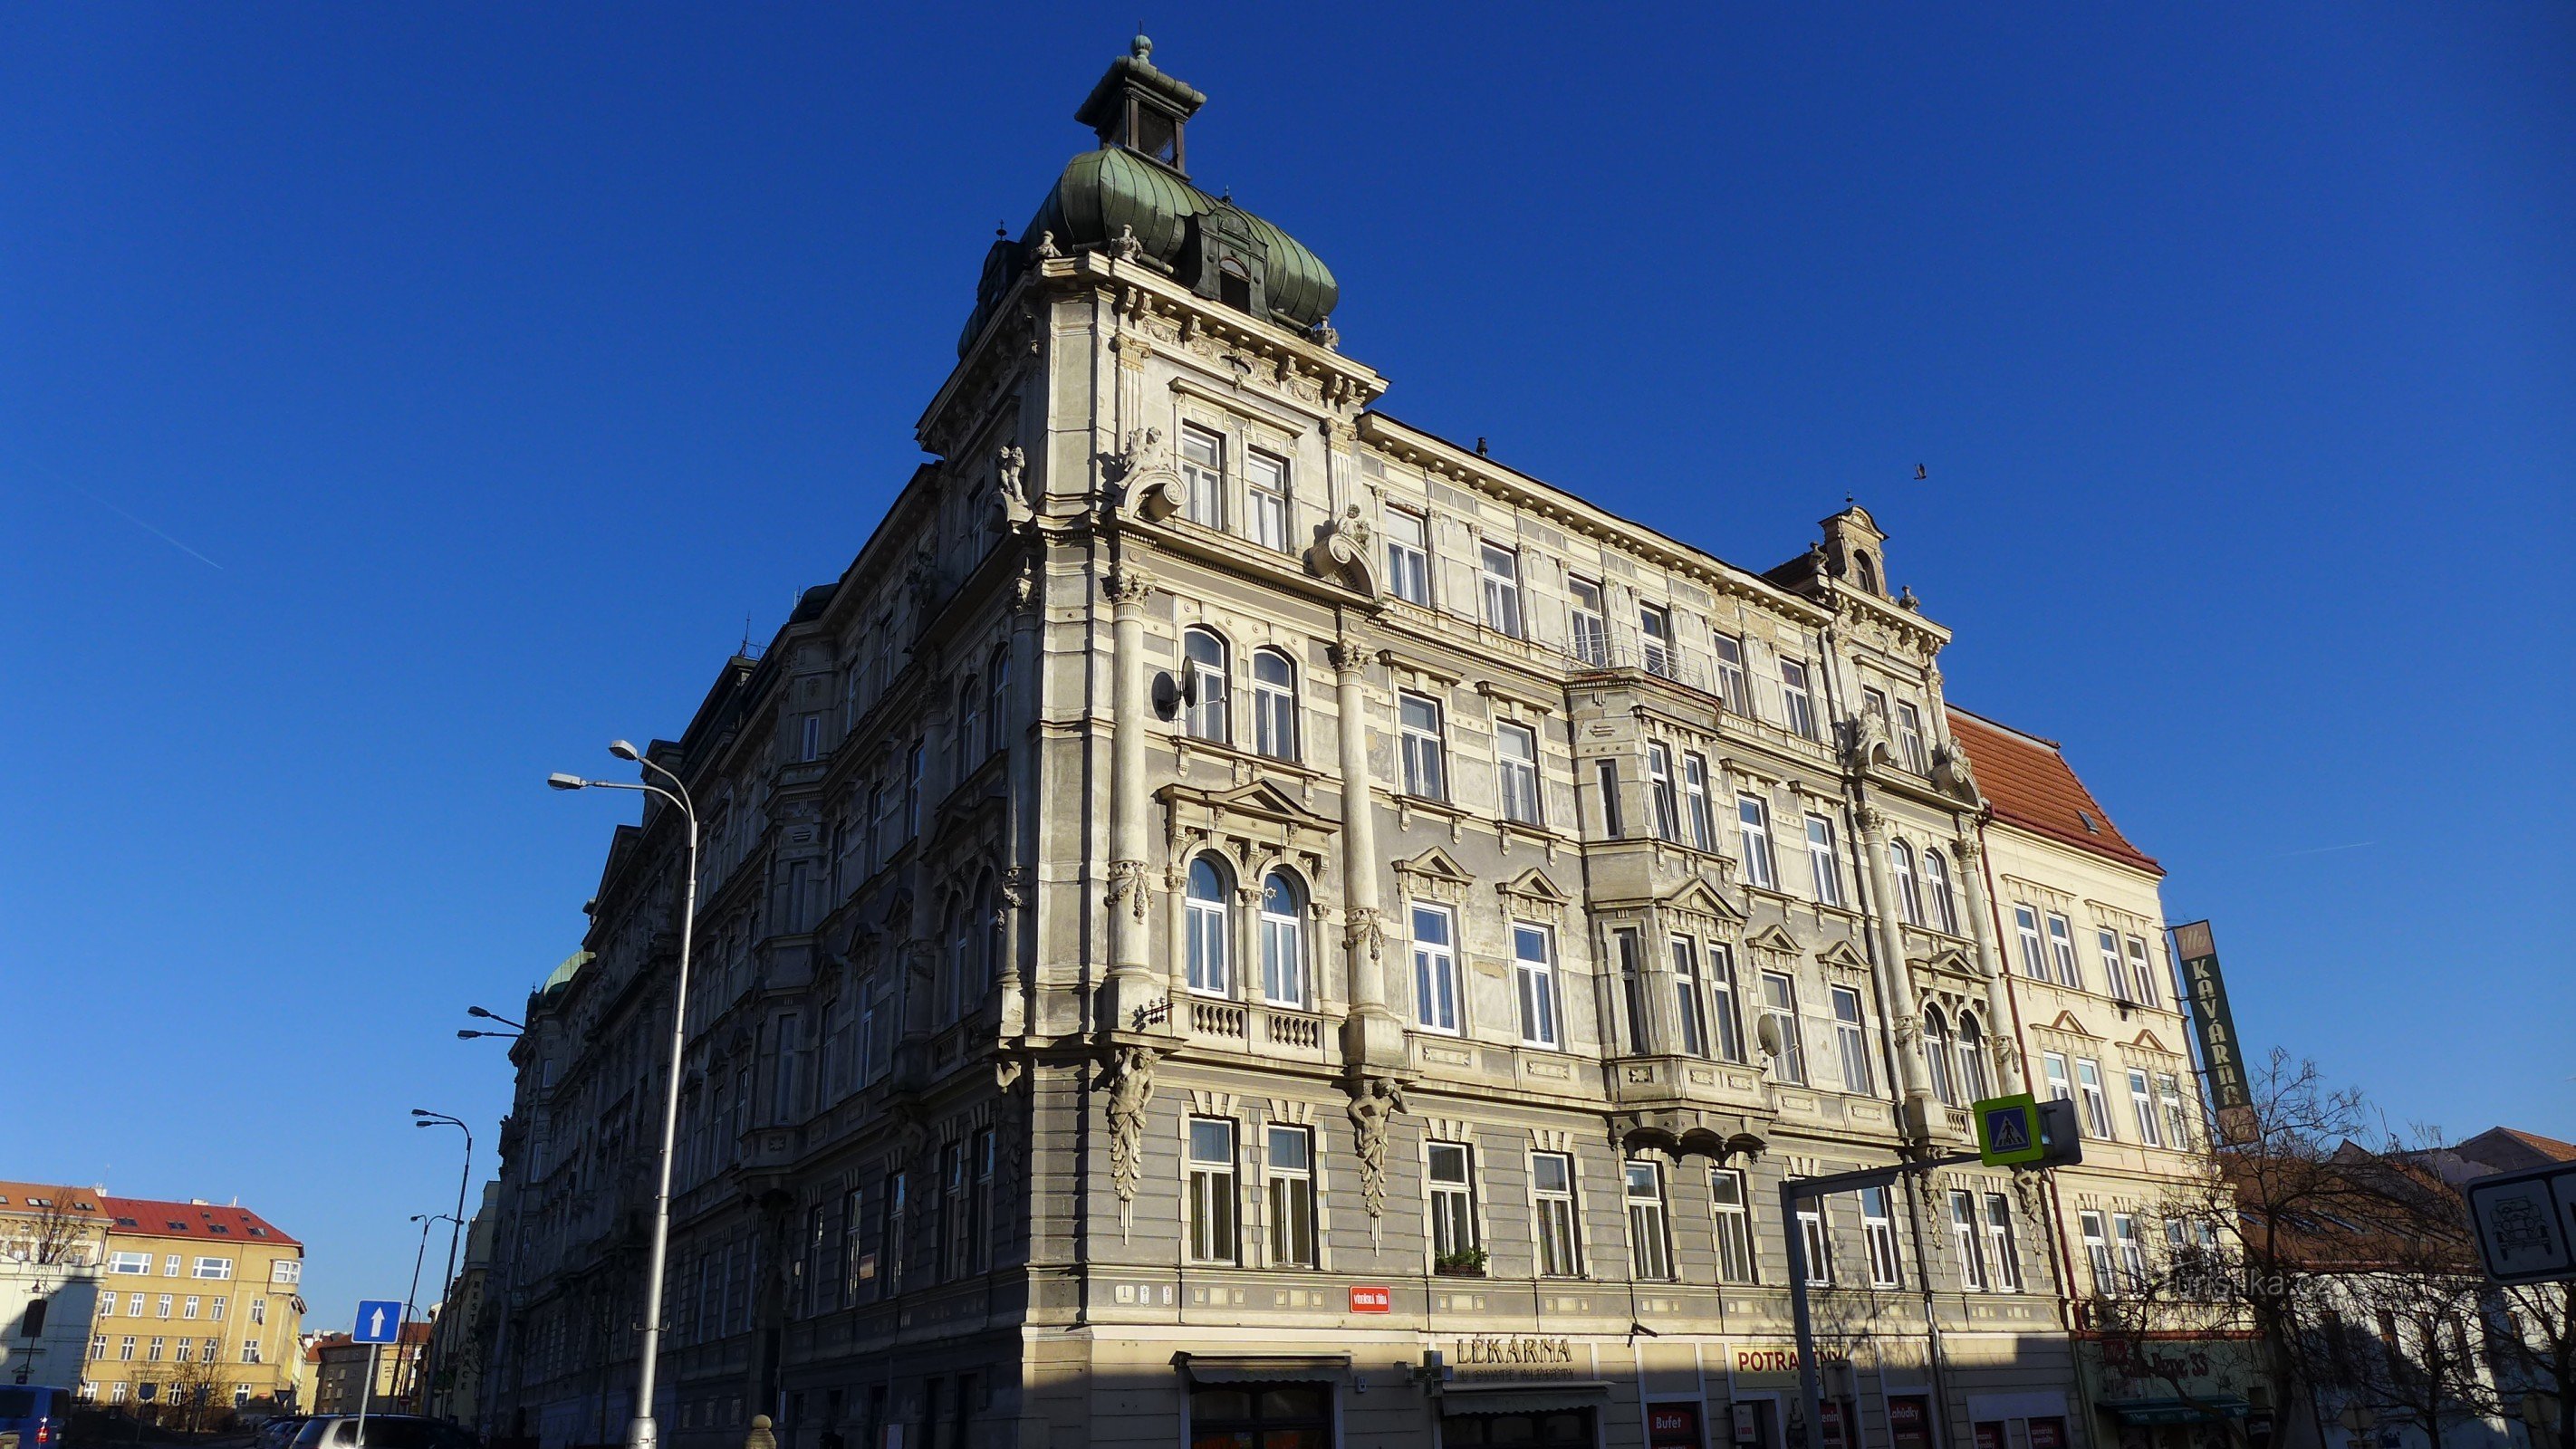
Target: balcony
x,y
1256,1029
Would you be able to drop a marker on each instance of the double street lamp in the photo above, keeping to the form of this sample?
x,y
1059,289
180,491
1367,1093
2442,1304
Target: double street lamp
x,y
641,1431
411,1300
422,1117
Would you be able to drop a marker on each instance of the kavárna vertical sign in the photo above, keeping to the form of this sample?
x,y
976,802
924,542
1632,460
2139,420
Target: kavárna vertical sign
x,y
2215,1027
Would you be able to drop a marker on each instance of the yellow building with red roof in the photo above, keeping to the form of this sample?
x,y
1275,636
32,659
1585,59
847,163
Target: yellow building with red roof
x,y
199,1307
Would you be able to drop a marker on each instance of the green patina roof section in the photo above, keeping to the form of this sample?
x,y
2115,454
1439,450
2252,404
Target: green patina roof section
x,y
564,973
1103,190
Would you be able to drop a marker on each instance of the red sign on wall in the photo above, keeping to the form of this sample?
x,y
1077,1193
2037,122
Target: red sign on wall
x,y
2048,1433
1372,1298
1672,1426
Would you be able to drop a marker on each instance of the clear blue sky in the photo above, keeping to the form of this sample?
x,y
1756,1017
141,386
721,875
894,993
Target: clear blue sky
x,y
396,403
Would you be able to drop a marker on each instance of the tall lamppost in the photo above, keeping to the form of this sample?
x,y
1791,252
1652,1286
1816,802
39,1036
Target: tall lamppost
x,y
641,1431
411,1299
422,1117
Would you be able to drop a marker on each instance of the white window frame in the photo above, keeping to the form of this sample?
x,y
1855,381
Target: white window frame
x,y
1731,1206
2115,968
1686,997
1968,1234
1878,1234
1851,1038
1201,453
1209,928
1661,793
1449,1182
1815,1229
1732,683
2131,1246
1910,739
2142,1104
2061,950
1214,1199
1498,586
1534,985
1797,697
1274,705
2004,1252
1516,772
1556,1227
2142,973
1587,622
1435,970
1655,639
2034,955
1605,775
1938,891
1408,556
1701,821
1823,861
1909,900
2061,1084
2096,1102
1425,748
1782,1006
2178,1122
1753,836
1284,973
1725,1010
1209,717
1265,481
1288,1198
1650,1232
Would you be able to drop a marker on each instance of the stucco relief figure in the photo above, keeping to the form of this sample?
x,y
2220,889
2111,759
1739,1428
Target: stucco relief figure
x,y
1127,883
1047,250
1367,928
1868,741
1131,1090
1011,510
1124,246
1374,1104
1345,551
1951,775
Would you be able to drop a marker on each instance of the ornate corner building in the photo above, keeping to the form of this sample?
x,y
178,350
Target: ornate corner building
x,y
1238,920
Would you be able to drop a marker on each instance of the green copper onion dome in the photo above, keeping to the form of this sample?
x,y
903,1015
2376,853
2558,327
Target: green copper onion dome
x,y
1135,184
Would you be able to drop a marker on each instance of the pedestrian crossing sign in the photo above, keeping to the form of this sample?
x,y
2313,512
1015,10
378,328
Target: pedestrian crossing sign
x,y
2008,1131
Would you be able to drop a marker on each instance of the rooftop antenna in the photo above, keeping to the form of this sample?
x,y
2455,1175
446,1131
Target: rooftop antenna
x,y
746,635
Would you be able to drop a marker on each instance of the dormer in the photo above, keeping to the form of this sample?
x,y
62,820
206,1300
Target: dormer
x,y
1855,551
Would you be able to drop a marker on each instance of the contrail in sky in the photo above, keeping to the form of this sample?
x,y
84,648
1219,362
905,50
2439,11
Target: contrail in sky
x,y
2325,849
121,513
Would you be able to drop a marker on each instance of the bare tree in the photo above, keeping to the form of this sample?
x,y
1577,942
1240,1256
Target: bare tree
x,y
2533,1332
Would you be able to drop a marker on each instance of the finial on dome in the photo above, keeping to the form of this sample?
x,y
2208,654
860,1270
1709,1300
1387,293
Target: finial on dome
x,y
1142,47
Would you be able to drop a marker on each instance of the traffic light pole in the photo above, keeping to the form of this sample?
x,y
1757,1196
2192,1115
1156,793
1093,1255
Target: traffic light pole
x,y
1793,1191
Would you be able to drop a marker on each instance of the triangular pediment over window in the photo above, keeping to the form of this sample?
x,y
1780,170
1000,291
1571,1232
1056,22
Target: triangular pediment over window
x,y
1260,800
1699,898
1438,864
1948,958
1841,953
1775,937
1533,885
2067,1023
2148,1040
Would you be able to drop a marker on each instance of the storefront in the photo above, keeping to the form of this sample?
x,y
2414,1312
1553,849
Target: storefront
x,y
2172,1393
1263,1401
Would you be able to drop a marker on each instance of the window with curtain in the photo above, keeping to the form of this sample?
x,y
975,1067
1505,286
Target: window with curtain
x,y
1909,897
1274,704
1211,969
1283,941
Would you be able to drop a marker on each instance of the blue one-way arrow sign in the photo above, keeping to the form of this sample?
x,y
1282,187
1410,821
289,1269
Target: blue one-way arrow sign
x,y
378,1322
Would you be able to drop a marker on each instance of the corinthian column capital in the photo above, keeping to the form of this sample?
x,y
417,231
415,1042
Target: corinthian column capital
x,y
1129,585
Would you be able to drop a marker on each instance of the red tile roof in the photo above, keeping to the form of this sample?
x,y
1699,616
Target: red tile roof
x,y
2509,1149
2031,786
153,1218
18,1198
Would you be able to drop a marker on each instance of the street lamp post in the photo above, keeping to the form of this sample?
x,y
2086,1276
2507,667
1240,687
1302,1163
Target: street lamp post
x,y
456,1228
411,1299
641,1431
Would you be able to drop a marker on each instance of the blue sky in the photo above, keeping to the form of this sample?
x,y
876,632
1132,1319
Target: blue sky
x,y
396,403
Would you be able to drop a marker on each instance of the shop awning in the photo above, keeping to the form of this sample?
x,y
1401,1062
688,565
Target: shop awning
x,y
1523,1396
1261,1368
2174,1411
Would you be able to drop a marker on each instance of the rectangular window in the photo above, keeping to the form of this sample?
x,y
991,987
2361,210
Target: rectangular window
x,y
1534,971
1408,556
1822,861
1686,998
1648,1232
130,1263
1632,986
2000,1252
1425,758
1817,1243
1453,1201
890,1245
1605,774
2026,924
2133,1252
1289,1195
1213,1238
1265,480
1909,738
979,1202
1516,760
2061,949
125,1349
950,1261
2107,946
2142,974
2061,1088
259,1310
1794,697
2142,1104
1734,1225
1878,1229
1500,585
1655,638
2177,1119
1659,789
1852,1040
98,1345
190,1308
1560,1252
1587,628
1203,471
1753,828
164,1306
1274,705
1780,1008
1969,1238
152,1352
1435,969
1731,686
1722,1014
1703,824
2097,1106
811,746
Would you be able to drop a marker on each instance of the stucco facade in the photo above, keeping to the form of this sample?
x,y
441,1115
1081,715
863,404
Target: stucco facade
x,y
1238,915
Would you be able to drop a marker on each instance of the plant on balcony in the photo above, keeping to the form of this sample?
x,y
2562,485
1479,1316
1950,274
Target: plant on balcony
x,y
1463,1263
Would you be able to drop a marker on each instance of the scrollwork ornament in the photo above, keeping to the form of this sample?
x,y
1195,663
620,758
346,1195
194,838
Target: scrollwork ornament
x,y
1367,927
1127,883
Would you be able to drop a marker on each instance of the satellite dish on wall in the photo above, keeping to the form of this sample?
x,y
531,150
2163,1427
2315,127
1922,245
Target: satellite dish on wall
x,y
1172,695
1766,1034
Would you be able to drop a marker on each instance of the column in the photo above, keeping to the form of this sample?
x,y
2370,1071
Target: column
x,y
2001,1039
1131,977
1896,988
1371,1034
1020,831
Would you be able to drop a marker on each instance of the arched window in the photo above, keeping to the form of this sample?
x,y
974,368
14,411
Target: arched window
x,y
1211,961
1936,884
1936,1051
970,725
1865,570
1207,718
1283,941
1908,899
1974,1078
997,696
1274,705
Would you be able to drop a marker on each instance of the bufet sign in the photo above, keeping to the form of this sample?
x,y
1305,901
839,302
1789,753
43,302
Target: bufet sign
x,y
1372,1298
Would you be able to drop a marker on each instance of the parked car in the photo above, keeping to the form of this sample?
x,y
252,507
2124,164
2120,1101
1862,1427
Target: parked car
x,y
278,1431
384,1431
36,1415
